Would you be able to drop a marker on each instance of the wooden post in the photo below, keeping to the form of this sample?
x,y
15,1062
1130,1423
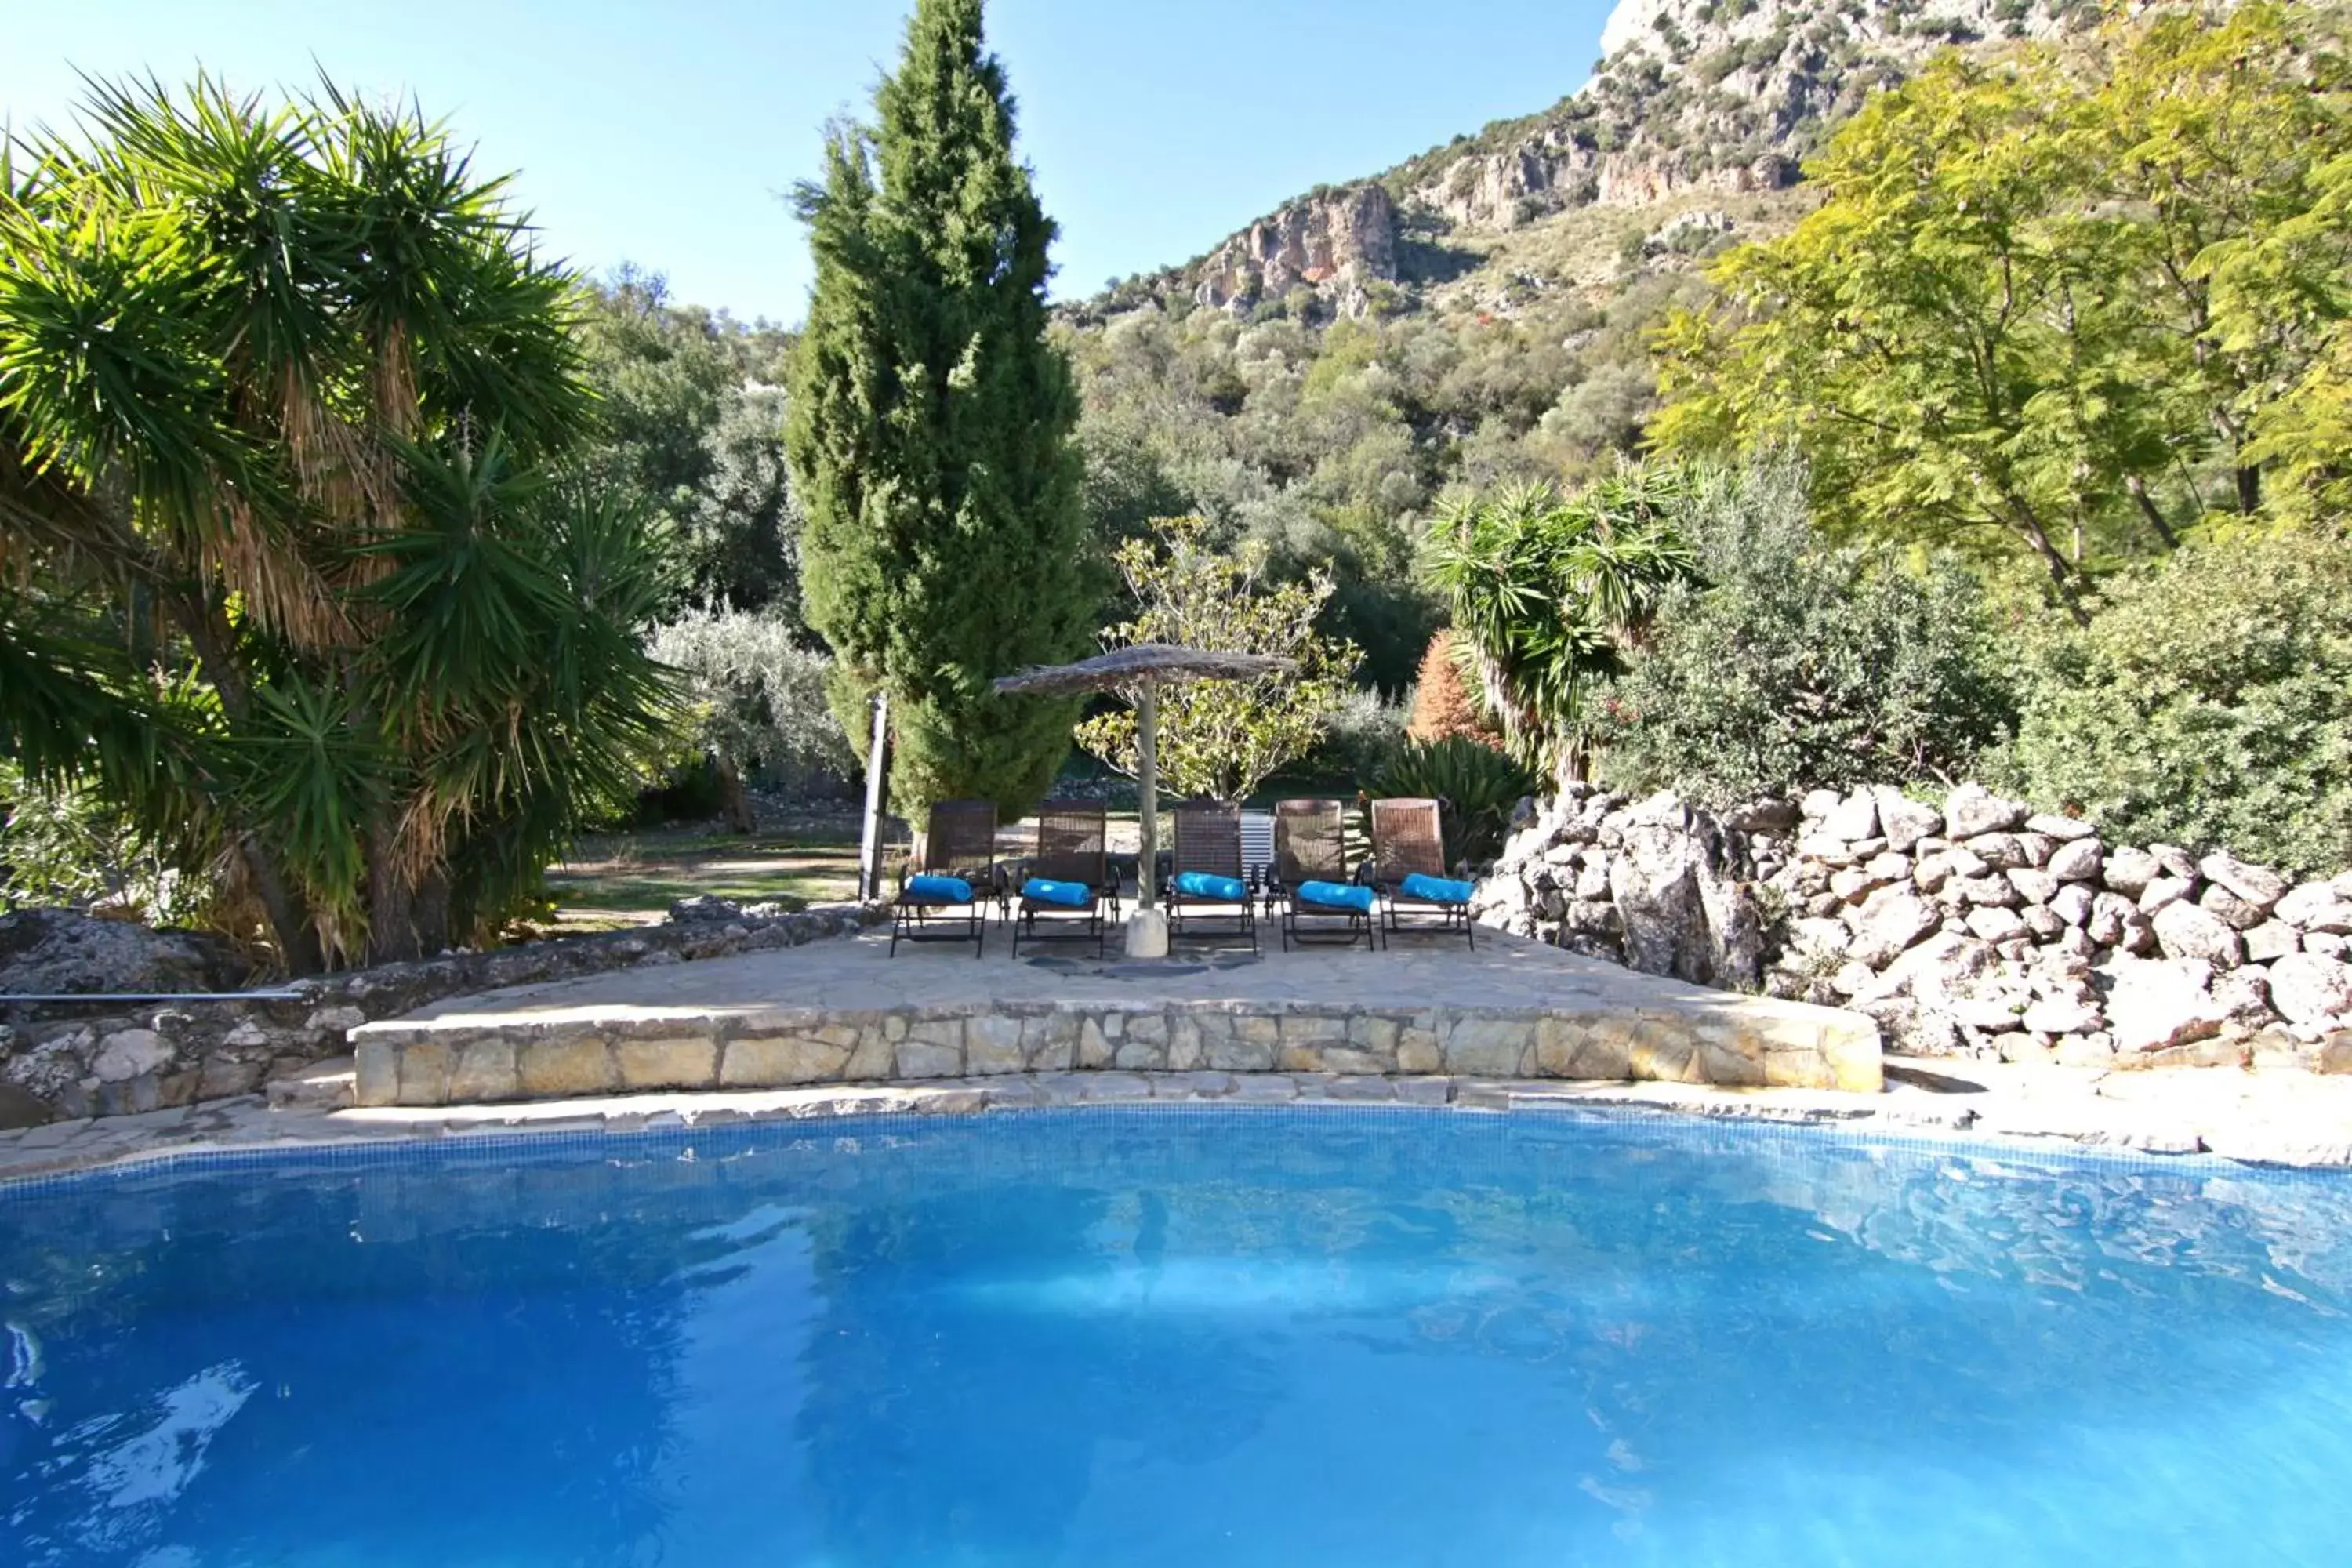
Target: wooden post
x,y
869,850
1147,790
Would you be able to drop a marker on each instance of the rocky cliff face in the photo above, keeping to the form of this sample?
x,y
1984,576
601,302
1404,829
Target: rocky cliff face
x,y
1338,240
1690,95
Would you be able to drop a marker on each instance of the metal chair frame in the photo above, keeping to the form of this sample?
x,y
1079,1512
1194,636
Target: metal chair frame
x,y
1208,838
1408,838
1310,845
960,841
1073,846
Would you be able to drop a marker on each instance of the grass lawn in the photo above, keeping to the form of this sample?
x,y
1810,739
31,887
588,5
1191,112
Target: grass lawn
x,y
632,878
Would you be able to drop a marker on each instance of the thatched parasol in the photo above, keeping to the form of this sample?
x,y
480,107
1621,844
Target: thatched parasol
x,y
1141,670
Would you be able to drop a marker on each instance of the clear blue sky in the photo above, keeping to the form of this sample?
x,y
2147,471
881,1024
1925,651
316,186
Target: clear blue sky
x,y
662,133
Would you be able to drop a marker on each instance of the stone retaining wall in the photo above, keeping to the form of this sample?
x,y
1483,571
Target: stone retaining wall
x,y
66,1060
1748,1041
1977,927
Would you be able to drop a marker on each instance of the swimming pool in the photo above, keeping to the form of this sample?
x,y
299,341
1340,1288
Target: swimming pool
x,y
1184,1336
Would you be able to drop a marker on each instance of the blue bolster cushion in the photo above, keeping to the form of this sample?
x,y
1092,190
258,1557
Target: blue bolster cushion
x,y
1209,885
1069,895
938,890
1337,895
1437,890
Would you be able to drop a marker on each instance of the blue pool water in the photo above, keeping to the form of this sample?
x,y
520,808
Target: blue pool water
x,y
1184,1337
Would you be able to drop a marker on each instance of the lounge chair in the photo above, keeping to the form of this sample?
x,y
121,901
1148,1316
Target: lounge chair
x,y
1209,891
943,894
1311,877
1068,886
1410,873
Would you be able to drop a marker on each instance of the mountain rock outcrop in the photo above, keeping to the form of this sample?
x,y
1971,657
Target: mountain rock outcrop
x,y
1340,240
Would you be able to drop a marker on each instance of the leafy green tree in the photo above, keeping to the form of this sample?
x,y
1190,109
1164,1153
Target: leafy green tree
x,y
281,394
2049,302
1546,592
756,700
2208,703
1793,664
930,428
1223,738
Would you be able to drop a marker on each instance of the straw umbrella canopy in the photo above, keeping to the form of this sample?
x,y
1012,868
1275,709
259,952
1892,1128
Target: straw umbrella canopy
x,y
1140,672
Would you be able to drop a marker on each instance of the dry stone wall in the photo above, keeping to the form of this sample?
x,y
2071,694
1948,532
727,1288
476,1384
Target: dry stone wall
x,y
1979,927
62,1059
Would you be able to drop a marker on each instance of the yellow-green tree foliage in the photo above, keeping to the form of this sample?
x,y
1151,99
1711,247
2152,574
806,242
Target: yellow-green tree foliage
x,y
1223,738
2071,302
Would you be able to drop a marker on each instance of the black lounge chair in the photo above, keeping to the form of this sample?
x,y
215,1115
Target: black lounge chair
x,y
1209,891
1310,850
959,845
1072,851
1408,871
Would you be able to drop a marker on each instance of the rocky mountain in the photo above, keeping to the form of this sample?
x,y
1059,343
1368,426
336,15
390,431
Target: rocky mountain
x,y
1720,98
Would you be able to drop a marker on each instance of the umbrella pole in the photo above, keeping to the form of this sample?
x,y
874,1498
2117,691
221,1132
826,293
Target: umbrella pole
x,y
1147,790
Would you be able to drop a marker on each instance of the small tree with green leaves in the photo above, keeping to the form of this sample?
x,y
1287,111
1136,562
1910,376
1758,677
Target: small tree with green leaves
x,y
930,424
1223,738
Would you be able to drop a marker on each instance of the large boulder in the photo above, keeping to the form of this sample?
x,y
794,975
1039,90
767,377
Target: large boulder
x,y
1903,822
2078,860
2130,870
60,951
2153,1004
2257,885
2186,930
1971,810
2308,989
2316,906
1889,924
1683,911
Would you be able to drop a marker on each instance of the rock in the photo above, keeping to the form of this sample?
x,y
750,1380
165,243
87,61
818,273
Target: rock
x,y
2184,930
1818,804
2072,903
2326,944
2076,861
1970,810
2116,921
1935,968
2335,1053
2054,1016
2038,847
130,1053
1905,821
2044,925
1854,817
2129,870
2257,885
1769,815
1889,926
2155,1004
60,951
2308,989
2095,1049
1852,977
1683,913
2034,886
1994,892
1993,923
2164,890
2270,940
2316,906
1825,936
22,1108
2230,909
2244,996
2065,829
2000,851
704,907
2175,861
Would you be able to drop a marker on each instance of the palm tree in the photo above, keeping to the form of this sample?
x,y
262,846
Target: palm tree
x,y
283,567
1546,593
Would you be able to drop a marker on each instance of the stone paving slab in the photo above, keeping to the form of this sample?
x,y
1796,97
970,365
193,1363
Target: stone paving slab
x,y
847,1011
2280,1118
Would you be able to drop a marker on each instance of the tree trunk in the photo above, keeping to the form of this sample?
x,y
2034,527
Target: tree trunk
x,y
734,804
2148,507
392,935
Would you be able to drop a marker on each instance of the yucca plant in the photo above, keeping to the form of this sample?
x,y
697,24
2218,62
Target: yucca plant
x,y
283,565
1474,786
1545,591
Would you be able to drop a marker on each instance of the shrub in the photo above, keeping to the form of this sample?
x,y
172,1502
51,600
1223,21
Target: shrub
x,y
2208,703
1797,665
1445,704
1364,733
1476,787
758,699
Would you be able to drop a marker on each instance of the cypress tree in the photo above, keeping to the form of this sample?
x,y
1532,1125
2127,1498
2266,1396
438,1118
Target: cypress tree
x,y
930,426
